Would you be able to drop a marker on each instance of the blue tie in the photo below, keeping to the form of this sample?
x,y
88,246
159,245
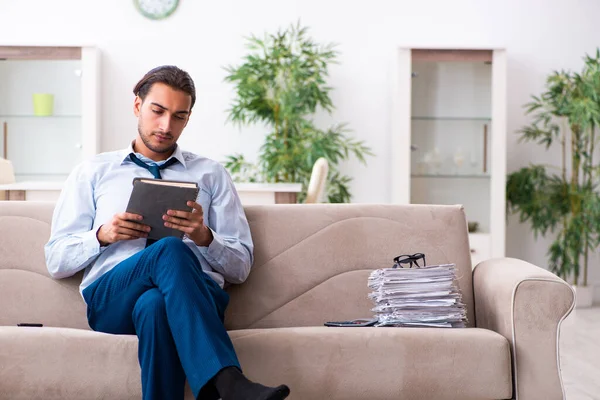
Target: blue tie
x,y
154,169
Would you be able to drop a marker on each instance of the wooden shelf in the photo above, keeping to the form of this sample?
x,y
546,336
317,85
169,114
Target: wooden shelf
x,y
452,176
39,53
452,55
451,119
38,116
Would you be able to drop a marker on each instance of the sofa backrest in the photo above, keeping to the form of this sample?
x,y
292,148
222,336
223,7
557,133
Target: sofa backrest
x,y
27,292
311,262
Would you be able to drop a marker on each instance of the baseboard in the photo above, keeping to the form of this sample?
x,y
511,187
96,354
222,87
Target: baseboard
x,y
596,300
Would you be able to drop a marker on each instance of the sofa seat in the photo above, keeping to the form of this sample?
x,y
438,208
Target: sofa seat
x,y
66,363
316,362
379,363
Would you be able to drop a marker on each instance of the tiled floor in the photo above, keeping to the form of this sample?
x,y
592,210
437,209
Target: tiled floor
x,y
580,354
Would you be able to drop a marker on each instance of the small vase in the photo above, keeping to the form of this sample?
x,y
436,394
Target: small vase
x,y
43,104
459,159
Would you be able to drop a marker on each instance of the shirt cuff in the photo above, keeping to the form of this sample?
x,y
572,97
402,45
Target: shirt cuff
x,y
214,250
91,246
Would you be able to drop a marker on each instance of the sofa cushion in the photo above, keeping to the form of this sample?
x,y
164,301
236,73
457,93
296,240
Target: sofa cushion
x,y
379,363
312,261
64,363
27,292
317,363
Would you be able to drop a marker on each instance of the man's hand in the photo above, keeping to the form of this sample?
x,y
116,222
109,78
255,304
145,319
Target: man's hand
x,y
191,223
122,227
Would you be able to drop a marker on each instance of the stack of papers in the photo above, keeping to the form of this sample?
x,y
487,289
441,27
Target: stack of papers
x,y
427,296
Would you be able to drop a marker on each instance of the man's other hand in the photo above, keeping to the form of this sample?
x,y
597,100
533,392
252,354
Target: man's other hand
x,y
191,223
122,226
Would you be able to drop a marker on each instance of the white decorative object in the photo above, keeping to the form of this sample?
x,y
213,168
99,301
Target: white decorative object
x,y
474,163
465,118
436,161
459,159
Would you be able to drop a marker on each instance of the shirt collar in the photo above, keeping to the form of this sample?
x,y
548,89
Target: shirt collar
x,y
178,154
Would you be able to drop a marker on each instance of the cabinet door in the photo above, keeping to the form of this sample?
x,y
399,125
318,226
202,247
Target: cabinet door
x,y
400,119
449,136
90,102
48,109
43,142
451,133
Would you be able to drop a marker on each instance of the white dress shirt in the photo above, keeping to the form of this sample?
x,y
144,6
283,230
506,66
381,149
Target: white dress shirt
x,y
99,188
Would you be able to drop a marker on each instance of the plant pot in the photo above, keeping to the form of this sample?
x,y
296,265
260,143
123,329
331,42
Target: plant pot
x,y
584,296
43,104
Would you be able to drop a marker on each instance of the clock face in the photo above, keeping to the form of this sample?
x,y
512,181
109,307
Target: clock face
x,y
156,9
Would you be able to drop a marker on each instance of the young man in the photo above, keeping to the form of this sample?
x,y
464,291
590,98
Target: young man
x,y
169,293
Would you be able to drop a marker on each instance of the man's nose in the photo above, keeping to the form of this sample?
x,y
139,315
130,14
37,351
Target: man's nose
x,y
164,123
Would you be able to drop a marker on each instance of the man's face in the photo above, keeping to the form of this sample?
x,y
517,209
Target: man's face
x,y
161,119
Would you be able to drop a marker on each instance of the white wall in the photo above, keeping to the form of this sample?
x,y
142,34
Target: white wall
x,y
203,36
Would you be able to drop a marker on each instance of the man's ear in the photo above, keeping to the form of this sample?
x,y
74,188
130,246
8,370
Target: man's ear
x,y
137,106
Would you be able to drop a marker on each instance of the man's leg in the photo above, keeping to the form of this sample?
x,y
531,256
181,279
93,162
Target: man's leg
x,y
162,374
194,307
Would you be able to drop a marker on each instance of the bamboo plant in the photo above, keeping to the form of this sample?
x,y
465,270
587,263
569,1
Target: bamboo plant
x,y
563,199
282,84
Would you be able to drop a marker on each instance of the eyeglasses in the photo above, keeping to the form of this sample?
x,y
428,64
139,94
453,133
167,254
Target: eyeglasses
x,y
408,261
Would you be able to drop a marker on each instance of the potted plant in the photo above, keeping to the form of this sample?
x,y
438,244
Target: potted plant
x,y
563,199
281,84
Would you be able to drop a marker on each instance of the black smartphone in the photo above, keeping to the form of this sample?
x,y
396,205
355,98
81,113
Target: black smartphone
x,y
353,323
30,325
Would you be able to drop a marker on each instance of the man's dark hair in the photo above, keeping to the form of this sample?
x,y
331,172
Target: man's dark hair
x,y
171,76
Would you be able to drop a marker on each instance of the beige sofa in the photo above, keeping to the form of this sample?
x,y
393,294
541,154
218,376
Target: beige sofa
x,y
311,266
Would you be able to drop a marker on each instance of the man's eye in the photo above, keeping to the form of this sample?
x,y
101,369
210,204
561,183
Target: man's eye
x,y
179,118
157,111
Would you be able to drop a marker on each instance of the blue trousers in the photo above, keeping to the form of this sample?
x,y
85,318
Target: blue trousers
x,y
162,295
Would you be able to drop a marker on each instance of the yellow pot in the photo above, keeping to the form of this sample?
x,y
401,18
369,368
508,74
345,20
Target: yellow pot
x,y
43,104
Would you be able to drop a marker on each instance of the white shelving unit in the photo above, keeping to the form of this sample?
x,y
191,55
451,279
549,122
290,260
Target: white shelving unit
x,y
46,148
449,137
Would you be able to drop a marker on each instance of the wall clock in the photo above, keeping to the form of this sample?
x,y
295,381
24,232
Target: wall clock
x,y
156,9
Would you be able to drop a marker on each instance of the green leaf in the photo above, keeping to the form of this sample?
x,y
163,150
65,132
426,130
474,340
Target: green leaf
x,y
565,204
282,83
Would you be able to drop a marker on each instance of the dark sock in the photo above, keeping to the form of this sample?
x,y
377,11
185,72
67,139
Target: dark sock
x,y
233,385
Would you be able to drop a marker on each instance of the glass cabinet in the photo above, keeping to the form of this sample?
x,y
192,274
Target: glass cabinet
x,y
450,127
48,109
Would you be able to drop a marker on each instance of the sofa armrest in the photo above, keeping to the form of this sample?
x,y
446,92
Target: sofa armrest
x,y
526,304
